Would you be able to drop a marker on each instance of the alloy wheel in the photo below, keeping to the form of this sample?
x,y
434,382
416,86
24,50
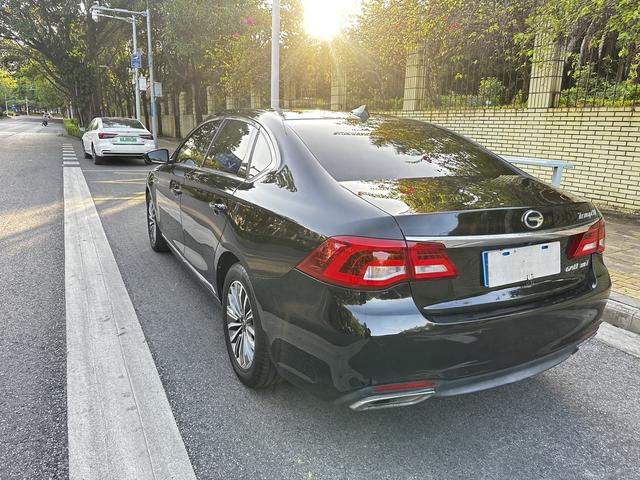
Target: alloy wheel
x,y
240,325
151,221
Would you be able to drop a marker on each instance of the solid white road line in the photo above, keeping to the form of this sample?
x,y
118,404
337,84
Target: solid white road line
x,y
615,337
120,423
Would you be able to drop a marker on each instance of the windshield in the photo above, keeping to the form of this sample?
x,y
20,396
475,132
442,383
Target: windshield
x,y
121,123
389,148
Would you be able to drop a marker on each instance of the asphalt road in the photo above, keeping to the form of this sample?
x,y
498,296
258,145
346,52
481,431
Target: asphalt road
x,y
33,425
579,420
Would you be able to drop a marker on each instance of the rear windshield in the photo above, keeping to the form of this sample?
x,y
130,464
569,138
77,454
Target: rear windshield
x,y
121,123
389,149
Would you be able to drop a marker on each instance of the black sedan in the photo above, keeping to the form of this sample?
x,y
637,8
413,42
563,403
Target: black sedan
x,y
377,261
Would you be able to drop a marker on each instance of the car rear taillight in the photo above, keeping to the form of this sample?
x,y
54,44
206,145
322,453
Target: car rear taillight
x,y
591,241
107,135
359,262
430,260
146,136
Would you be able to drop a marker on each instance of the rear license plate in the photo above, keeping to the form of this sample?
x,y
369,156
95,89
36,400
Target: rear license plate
x,y
514,265
128,140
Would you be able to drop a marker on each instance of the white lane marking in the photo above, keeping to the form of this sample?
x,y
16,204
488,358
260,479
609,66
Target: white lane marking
x,y
70,164
615,337
120,423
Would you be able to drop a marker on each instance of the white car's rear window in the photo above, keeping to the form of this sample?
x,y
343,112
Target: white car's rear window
x,y
121,123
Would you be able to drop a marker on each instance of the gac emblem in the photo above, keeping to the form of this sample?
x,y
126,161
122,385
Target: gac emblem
x,y
532,219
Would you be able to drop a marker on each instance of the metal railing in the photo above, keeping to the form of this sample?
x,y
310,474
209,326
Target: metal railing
x,y
558,166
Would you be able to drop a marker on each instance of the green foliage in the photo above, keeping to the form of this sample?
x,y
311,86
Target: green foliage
x,y
71,126
492,91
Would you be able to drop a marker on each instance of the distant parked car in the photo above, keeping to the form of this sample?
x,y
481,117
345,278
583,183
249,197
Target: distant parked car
x,y
116,137
377,262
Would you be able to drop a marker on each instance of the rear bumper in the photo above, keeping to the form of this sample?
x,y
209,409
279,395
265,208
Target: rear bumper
x,y
366,398
107,149
340,344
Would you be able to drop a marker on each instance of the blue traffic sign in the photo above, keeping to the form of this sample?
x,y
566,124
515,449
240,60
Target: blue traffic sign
x,y
136,60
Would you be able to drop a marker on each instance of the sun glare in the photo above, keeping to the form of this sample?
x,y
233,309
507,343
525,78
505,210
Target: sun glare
x,y
326,18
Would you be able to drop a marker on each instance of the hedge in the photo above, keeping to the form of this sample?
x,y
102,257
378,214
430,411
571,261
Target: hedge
x,y
71,127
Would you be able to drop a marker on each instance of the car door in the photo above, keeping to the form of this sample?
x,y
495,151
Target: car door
x,y
171,177
209,193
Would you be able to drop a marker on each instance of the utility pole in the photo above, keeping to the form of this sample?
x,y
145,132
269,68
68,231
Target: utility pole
x,y
26,100
154,118
275,55
135,70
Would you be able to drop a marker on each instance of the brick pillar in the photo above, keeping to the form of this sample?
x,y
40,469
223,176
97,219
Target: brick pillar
x,y
211,101
338,87
169,109
185,125
182,103
414,81
256,98
169,122
546,73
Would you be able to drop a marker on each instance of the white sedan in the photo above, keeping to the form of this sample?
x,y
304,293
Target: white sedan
x,y
116,137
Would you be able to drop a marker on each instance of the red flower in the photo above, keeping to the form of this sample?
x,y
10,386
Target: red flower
x,y
454,26
249,22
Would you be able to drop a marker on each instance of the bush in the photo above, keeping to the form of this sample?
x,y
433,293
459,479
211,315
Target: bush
x,y
71,127
491,91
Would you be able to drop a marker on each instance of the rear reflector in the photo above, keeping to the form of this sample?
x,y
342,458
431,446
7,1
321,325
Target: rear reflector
x,y
359,262
107,135
591,241
400,387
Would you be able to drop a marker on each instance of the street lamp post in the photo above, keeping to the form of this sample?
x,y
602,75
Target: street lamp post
x,y
97,11
275,54
154,117
135,69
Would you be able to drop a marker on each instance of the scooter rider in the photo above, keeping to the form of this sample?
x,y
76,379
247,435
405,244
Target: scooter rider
x,y
45,118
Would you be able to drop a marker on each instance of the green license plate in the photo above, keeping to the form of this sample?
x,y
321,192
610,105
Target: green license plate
x,y
128,140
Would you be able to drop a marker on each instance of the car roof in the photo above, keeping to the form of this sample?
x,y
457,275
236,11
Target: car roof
x,y
283,114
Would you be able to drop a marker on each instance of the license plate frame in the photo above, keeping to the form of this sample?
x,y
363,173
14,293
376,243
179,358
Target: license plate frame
x,y
128,140
507,266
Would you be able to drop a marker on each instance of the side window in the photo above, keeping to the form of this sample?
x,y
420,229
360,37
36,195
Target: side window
x,y
93,125
261,156
231,149
195,147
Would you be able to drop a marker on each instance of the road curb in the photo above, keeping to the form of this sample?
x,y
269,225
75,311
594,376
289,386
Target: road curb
x,y
623,311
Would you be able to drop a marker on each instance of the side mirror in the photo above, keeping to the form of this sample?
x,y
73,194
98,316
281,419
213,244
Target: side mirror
x,y
82,129
156,156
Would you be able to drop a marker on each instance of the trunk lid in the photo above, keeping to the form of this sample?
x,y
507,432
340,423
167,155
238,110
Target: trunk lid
x,y
474,215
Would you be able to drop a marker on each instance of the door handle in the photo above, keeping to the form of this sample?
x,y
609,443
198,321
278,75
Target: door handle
x,y
217,207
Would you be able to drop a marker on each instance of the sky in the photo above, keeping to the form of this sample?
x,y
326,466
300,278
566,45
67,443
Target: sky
x,y
325,18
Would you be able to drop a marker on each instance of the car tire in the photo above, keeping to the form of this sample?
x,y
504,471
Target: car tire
x,y
157,241
238,300
97,160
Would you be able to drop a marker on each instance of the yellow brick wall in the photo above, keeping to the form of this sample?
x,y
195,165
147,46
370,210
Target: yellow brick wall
x,y
602,143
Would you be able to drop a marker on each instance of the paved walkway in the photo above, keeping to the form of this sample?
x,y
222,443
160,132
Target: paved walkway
x,y
622,254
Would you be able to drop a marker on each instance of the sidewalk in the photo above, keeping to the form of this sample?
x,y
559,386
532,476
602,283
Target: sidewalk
x,y
623,260
169,143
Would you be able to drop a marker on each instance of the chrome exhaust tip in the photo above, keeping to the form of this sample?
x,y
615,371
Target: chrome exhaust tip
x,y
392,400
